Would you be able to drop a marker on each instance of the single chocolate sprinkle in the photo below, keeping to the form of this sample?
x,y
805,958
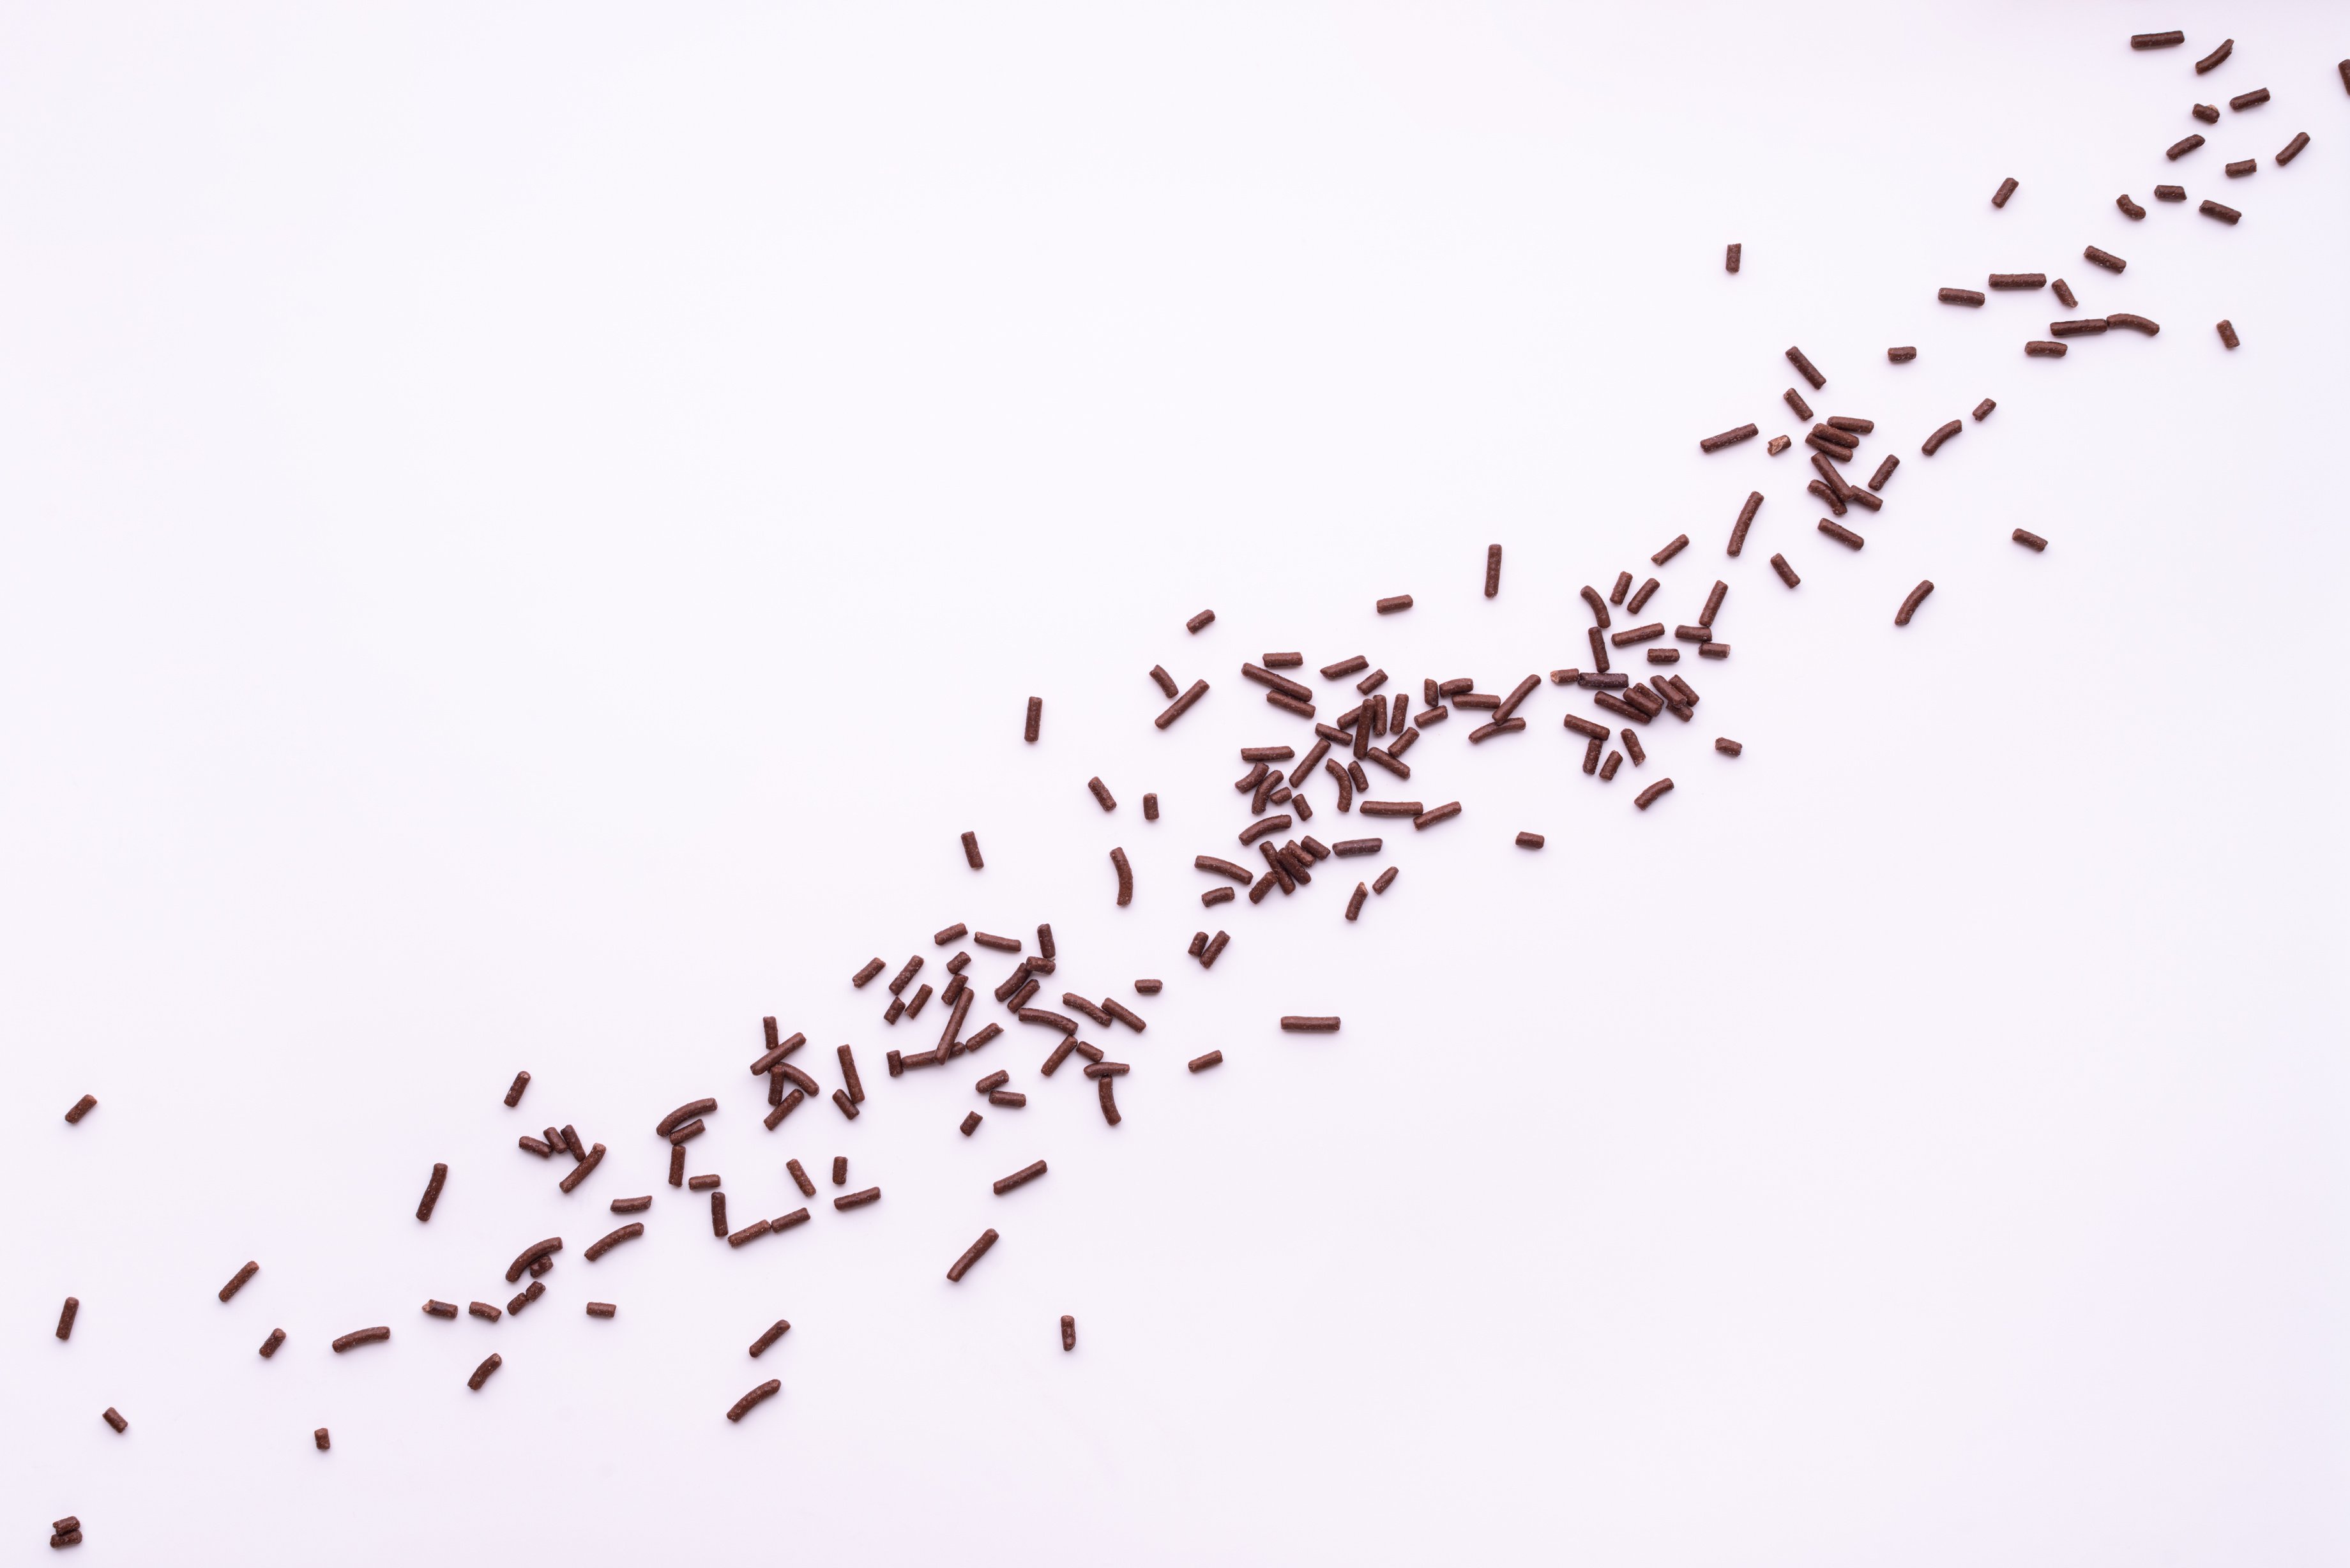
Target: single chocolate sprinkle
x,y
1648,797
2244,100
1180,706
1200,622
2006,189
1934,442
1960,297
2029,540
977,1250
744,1406
237,1282
1727,438
431,1192
1909,606
2039,349
2157,40
1397,602
359,1336
2293,149
2226,46
1670,551
2215,209
2170,192
514,1095
2227,333
2130,209
1787,572
1901,356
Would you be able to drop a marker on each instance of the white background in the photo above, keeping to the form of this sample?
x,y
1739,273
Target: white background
x,y
528,531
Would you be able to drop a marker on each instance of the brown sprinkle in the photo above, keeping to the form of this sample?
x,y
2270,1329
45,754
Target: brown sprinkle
x,y
977,1250
2226,46
1960,297
2208,113
1108,1101
484,1311
776,1331
2006,189
1746,515
1934,442
1730,257
2227,333
2226,214
602,1308
320,1438
1200,622
1125,878
482,1373
703,1182
514,1095
2157,40
431,1192
2170,192
744,1406
1727,438
1181,705
2105,259
971,1123
1787,572
359,1337
632,1205
1530,841
1901,356
81,1108
237,1281
1795,401
1101,794
1384,880
2293,149
1493,552
1670,551
1909,606
1649,797
627,1232
2029,540
864,977
1166,683
1444,813
1805,368
2039,349
1025,1175
2130,209
2244,100
1841,534
857,1200
1394,603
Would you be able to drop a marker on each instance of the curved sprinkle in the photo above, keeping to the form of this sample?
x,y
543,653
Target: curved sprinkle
x,y
532,1254
482,1373
683,1114
1909,606
2135,323
629,1233
359,1337
1125,878
1934,442
744,1406
1648,797
1598,606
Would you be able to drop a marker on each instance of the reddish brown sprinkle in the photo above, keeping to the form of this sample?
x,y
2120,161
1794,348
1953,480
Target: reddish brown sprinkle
x,y
1493,552
985,1034
2104,259
1166,683
702,1183
601,1309
954,933
2215,209
359,1336
1390,606
744,1406
1108,1101
1530,841
1680,543
1282,661
431,1192
581,1172
1180,706
2244,100
1795,401
971,1123
2006,188
782,1222
1209,954
1021,1176
751,1232
1615,594
2157,40
1909,606
2227,333
1901,356
2130,209
1484,733
1340,670
514,1095
320,1438
113,1418
799,1175
1384,880
2170,192
1637,634
1391,808
1934,442
1960,297
2226,46
1805,368
1727,438
2039,349
774,1119
1787,572
1607,769
1355,904
484,1311
482,1373
1841,534
1262,825
1125,878
1598,606
1730,260
718,1214
2084,328
2029,540
2293,149
1150,809
66,1317
849,1107
1011,1097
1727,746
83,1106
1746,514
2063,292
237,1281
776,1331
2208,113
1302,1024
692,1110
864,977
1200,622
1215,895
1648,797
977,1250
1101,794
1035,719
632,1205
627,1232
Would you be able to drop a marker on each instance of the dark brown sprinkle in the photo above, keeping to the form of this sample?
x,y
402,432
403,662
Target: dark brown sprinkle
x,y
71,1310
1607,769
1943,433
1126,1015
1530,841
702,1183
1493,552
1727,746
896,1061
1035,718
1777,444
677,1152
849,1107
2086,326
1586,727
1339,670
857,1200
2215,209
1106,1069
2029,540
2226,46
1527,687
2293,149
1486,731
1713,650
237,1281
2170,192
1289,704
1390,606
864,977
88,1103
1101,794
1805,368
1391,808
744,1406
2227,333
1632,747
1371,682
1615,704
751,1232
2019,280
1125,878
484,1311
2130,209
1262,825
1026,1174
1884,471
1727,438
632,1205
1200,622
1013,1098
1829,475
1841,534
977,1250
986,1032
113,1418
1283,660
1072,999
1636,634
2157,40
776,1331
1960,297
1166,681
805,1084
799,1175
971,1123
320,1438
569,1138
2208,113
1730,257
376,1336
1444,813
1209,955
514,1095
1670,551
1795,401
2006,189
2105,259
1565,677
774,1119
1000,944
1648,797
1153,986
718,1213
1834,436
432,1191
1215,895
2244,100
1901,356
2039,349
1061,1022
954,933
692,1110
1787,572
1222,867
782,1222
1181,705
1909,606
627,1232
601,1309
1271,781
1267,754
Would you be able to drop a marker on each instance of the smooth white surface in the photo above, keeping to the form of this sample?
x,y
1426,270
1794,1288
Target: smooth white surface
x,y
528,531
